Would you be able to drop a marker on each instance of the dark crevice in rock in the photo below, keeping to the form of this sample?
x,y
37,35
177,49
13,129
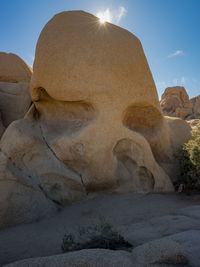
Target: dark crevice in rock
x,y
24,178
46,195
48,146
83,184
54,154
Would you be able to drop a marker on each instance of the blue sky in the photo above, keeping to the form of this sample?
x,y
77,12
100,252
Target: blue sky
x,y
168,29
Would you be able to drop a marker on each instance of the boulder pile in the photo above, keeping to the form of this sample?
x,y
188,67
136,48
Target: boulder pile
x,y
175,102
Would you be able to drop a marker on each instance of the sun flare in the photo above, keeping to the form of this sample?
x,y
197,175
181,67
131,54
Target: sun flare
x,y
104,16
111,15
102,20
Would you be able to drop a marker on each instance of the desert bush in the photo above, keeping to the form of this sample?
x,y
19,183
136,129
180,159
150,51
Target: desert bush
x,y
101,235
189,160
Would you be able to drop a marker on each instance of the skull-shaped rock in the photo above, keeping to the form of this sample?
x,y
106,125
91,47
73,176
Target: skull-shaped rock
x,y
96,122
97,101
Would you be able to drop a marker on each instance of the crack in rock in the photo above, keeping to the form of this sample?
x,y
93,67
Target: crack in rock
x,y
54,154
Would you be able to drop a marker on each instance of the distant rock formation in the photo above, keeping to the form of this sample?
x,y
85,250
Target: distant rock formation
x,y
175,102
194,124
196,106
15,98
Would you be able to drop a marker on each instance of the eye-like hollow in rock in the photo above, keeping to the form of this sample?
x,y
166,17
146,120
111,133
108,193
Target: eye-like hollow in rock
x,y
145,119
63,117
131,175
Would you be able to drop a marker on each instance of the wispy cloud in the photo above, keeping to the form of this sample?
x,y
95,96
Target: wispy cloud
x,y
183,80
113,16
162,85
120,14
178,81
175,81
105,15
176,53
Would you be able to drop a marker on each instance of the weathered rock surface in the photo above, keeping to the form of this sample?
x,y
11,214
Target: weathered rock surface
x,y
180,132
168,220
2,127
89,258
13,69
176,250
22,201
15,101
137,122
159,252
175,102
86,134
190,241
15,98
181,249
196,106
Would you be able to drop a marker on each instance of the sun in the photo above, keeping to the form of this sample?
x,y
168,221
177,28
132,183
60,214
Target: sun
x,y
104,16
102,20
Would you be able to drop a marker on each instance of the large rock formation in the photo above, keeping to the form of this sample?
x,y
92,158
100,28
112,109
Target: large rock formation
x,y
95,125
15,98
175,102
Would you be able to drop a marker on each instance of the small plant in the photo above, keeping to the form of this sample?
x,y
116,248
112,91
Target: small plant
x,y
189,160
68,242
101,235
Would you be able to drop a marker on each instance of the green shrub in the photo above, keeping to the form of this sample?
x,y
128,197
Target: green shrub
x,y
101,235
189,160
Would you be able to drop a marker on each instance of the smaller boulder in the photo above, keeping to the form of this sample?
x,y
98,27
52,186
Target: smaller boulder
x,y
13,69
159,252
15,99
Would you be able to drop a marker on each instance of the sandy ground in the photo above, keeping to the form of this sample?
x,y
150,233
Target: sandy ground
x,y
139,218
